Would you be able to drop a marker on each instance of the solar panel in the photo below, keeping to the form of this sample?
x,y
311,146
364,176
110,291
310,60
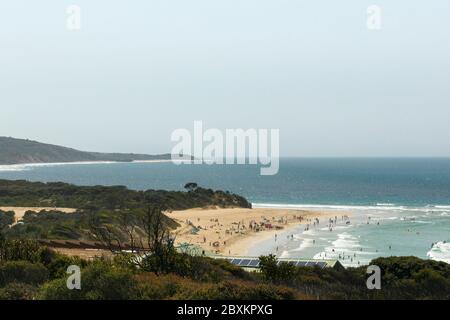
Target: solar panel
x,y
321,264
244,262
254,263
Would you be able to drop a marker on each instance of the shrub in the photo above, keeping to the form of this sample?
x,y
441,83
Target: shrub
x,y
14,250
23,272
17,291
100,280
239,290
277,272
171,286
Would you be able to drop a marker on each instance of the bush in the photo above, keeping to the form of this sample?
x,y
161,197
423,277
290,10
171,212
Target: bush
x,y
172,286
57,264
17,291
100,280
239,290
23,272
277,273
15,250
6,219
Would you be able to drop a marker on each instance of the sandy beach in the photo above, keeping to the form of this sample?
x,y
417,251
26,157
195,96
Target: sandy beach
x,y
233,231
19,212
230,231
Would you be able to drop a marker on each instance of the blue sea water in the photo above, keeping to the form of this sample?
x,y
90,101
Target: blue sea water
x,y
407,200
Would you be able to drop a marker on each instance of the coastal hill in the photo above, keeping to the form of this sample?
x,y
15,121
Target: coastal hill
x,y
20,151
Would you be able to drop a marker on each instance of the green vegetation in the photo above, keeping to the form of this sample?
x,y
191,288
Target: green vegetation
x,y
50,225
41,274
58,194
15,151
116,207
402,278
6,219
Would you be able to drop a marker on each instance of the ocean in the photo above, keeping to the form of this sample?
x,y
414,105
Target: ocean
x,y
396,206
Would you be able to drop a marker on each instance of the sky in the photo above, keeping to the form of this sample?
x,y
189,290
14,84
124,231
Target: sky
x,y
137,70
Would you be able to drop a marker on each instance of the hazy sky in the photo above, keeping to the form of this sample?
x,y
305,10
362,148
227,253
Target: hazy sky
x,y
139,69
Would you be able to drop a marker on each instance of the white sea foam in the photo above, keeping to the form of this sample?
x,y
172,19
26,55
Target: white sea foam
x,y
310,232
440,252
306,243
381,218
338,227
374,208
409,218
284,254
13,167
345,242
29,166
344,246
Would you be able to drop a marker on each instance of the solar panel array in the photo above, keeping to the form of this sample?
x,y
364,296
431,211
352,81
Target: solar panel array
x,y
254,263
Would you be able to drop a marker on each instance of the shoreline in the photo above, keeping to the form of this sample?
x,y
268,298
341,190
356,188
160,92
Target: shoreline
x,y
43,164
242,246
228,231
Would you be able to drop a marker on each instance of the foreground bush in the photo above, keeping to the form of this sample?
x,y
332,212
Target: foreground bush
x,y
17,291
43,276
22,272
172,286
101,280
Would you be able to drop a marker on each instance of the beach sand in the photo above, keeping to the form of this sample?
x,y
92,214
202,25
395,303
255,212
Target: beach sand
x,y
228,232
19,212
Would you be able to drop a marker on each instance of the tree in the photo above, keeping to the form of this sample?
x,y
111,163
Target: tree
x,y
145,233
160,242
191,186
276,272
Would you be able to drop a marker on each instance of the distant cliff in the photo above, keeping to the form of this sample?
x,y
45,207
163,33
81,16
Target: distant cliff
x,y
18,151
